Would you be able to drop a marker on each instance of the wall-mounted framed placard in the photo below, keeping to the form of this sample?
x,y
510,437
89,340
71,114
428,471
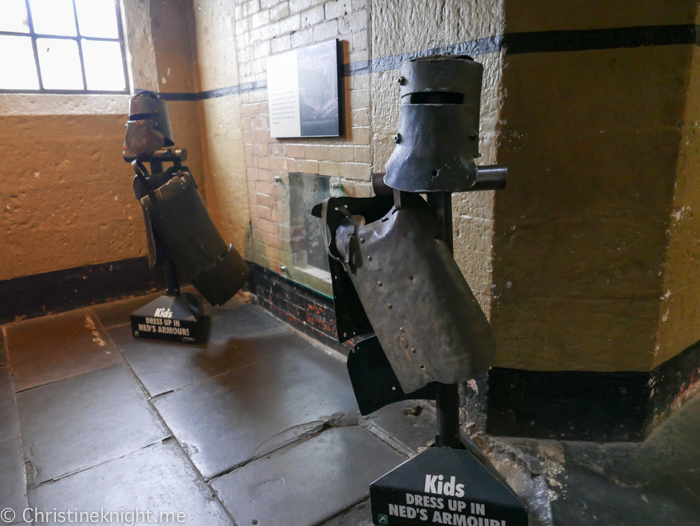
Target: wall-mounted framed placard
x,y
302,92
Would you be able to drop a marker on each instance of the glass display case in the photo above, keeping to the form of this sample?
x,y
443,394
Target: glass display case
x,y
302,249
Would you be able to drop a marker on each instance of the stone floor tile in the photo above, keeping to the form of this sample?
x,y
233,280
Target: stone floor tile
x,y
13,484
587,498
309,482
231,419
3,349
239,337
117,313
358,515
682,488
158,479
243,318
44,350
409,422
9,425
79,422
234,303
673,447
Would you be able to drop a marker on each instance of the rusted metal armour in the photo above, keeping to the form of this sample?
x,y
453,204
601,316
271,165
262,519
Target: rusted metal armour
x,y
397,263
179,220
438,133
419,304
178,225
148,128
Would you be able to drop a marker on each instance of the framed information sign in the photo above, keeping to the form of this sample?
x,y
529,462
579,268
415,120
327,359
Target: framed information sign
x,y
302,92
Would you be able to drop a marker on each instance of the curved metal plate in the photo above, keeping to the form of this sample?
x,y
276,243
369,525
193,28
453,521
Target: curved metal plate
x,y
438,133
351,319
179,219
374,381
445,74
436,151
416,298
222,281
148,128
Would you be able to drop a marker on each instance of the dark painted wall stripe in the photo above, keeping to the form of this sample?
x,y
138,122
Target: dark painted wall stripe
x,y
590,39
512,43
215,93
585,405
308,310
473,48
63,290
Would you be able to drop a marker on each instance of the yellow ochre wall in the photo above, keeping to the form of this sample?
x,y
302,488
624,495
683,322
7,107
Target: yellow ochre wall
x,y
584,238
679,312
220,120
587,261
65,191
571,259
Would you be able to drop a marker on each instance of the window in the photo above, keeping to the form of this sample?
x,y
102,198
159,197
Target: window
x,y
61,46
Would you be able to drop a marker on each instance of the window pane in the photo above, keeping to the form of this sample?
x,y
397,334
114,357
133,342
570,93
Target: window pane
x,y
97,18
104,69
59,61
53,17
14,16
17,66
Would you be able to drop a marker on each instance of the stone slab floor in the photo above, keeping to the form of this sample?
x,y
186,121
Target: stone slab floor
x,y
259,427
652,483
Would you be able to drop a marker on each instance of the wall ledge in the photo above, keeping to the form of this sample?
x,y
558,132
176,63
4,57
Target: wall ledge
x,y
73,288
14,104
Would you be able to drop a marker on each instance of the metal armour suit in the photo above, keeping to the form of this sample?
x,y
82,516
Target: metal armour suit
x,y
420,307
177,221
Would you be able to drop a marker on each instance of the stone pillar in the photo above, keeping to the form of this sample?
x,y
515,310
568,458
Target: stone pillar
x,y
595,277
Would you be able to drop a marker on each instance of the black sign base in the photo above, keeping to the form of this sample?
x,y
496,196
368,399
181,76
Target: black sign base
x,y
444,486
174,319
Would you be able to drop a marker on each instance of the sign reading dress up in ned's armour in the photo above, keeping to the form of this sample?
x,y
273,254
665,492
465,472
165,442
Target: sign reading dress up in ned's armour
x,y
444,486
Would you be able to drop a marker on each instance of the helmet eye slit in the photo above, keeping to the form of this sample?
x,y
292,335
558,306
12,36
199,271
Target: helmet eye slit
x,y
436,97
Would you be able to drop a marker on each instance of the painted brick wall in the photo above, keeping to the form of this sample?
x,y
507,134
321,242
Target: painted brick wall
x,y
250,31
266,27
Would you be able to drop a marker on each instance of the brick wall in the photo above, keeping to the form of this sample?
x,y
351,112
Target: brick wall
x,y
302,307
266,27
234,41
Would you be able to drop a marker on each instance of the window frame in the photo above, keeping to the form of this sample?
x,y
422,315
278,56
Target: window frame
x,y
78,39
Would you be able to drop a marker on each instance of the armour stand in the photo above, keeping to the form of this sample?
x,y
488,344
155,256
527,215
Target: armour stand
x,y
453,482
447,395
177,316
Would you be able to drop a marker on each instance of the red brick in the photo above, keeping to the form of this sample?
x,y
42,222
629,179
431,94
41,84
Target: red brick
x,y
264,187
297,151
268,227
276,149
262,136
278,163
270,240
